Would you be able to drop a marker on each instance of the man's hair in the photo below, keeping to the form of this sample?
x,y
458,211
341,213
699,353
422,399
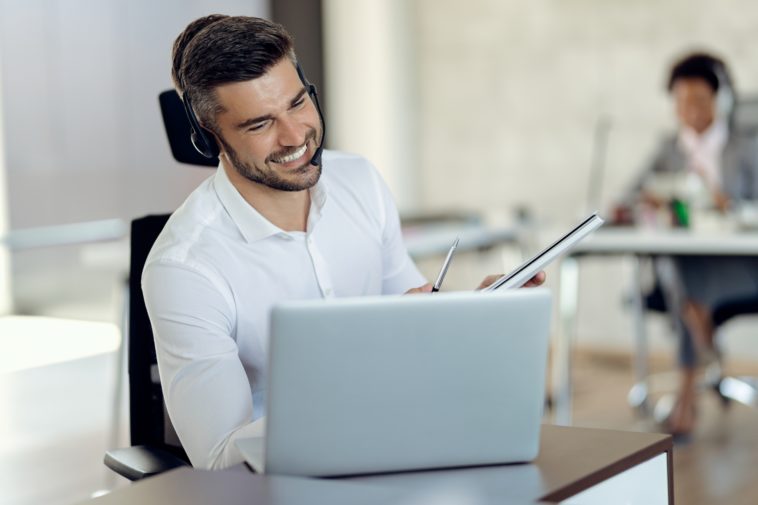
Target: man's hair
x,y
703,66
218,49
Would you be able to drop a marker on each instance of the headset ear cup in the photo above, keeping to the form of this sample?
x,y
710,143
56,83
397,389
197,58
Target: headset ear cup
x,y
212,148
200,144
202,139
725,102
725,98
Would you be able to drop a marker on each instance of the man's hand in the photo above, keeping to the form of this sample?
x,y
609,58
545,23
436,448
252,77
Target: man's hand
x,y
426,288
535,281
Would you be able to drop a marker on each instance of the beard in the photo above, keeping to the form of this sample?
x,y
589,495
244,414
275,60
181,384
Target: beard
x,y
303,177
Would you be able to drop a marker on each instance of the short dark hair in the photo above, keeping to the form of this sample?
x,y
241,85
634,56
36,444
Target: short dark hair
x,y
703,66
219,49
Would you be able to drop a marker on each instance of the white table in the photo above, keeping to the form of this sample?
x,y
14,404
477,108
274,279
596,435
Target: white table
x,y
435,239
637,244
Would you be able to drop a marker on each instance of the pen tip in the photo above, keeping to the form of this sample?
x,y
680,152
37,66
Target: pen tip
x,y
455,244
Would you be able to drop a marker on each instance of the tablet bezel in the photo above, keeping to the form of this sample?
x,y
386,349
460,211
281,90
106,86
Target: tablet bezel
x,y
560,246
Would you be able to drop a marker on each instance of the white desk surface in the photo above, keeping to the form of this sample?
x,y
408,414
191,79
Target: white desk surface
x,y
683,242
430,240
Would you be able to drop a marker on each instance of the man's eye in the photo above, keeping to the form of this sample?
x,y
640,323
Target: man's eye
x,y
256,127
298,103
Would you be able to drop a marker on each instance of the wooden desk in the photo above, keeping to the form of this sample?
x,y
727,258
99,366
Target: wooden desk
x,y
586,465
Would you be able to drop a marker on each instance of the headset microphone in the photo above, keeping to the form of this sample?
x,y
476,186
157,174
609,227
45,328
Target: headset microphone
x,y
311,89
316,160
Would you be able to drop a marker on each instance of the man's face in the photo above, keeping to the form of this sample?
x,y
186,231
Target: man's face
x,y
270,129
695,103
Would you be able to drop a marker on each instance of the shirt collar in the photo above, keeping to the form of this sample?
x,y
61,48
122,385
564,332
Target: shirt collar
x,y
711,141
251,223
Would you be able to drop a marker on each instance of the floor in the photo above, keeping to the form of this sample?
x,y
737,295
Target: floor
x,y
716,465
57,422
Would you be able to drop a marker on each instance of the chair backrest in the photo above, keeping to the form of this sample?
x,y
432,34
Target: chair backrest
x,y
150,424
178,131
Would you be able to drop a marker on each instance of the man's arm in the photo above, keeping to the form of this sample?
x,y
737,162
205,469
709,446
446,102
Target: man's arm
x,y
399,272
205,386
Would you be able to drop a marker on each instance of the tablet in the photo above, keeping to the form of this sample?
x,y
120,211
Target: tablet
x,y
532,267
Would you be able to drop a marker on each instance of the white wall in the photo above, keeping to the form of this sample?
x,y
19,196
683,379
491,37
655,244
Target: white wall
x,y
6,297
83,128
369,62
503,98
512,90
83,131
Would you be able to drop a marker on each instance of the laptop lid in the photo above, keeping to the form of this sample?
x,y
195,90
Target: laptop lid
x,y
378,384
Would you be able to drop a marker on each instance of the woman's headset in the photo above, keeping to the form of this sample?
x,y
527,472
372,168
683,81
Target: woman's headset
x,y
205,144
725,98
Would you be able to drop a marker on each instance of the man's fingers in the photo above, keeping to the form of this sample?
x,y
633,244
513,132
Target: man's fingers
x,y
426,288
537,280
489,280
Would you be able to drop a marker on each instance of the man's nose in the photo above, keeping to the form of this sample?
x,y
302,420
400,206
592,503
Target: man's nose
x,y
291,133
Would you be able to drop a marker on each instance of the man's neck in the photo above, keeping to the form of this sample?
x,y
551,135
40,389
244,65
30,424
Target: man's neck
x,y
287,210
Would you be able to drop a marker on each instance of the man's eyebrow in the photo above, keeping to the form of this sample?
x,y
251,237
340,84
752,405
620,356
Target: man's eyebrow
x,y
297,97
255,120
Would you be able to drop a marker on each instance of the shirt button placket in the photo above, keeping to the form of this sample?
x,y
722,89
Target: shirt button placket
x,y
321,269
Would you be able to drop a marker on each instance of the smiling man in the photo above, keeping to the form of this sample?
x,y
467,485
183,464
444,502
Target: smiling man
x,y
269,226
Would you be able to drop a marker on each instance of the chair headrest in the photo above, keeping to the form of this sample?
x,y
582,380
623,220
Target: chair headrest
x,y
178,131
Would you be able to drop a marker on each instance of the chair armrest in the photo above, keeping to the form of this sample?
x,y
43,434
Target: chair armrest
x,y
141,461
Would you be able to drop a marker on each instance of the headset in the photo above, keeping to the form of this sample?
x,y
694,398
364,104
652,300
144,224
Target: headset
x,y
205,144
726,96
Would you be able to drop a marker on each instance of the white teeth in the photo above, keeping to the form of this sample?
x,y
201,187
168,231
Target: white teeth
x,y
293,156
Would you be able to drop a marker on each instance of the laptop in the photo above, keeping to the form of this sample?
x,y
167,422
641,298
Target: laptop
x,y
383,384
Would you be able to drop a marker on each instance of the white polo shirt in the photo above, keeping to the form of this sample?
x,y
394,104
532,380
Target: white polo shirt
x,y
219,266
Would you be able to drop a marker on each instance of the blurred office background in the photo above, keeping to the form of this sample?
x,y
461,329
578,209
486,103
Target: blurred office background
x,y
496,108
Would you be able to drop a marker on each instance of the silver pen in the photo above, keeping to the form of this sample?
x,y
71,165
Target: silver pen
x,y
445,265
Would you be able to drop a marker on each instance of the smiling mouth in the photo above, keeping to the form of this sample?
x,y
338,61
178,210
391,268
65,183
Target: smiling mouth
x,y
292,157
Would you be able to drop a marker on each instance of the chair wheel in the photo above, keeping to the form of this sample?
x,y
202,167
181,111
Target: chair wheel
x,y
726,402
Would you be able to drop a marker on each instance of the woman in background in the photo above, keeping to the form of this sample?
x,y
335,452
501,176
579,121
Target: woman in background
x,y
716,167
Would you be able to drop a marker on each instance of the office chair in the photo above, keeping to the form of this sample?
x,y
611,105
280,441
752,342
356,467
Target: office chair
x,y
155,446
740,389
660,299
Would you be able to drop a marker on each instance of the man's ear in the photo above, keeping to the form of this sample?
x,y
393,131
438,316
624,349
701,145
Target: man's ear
x,y
217,140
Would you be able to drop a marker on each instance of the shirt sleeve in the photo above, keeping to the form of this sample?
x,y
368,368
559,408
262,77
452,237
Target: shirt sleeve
x,y
399,272
205,387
